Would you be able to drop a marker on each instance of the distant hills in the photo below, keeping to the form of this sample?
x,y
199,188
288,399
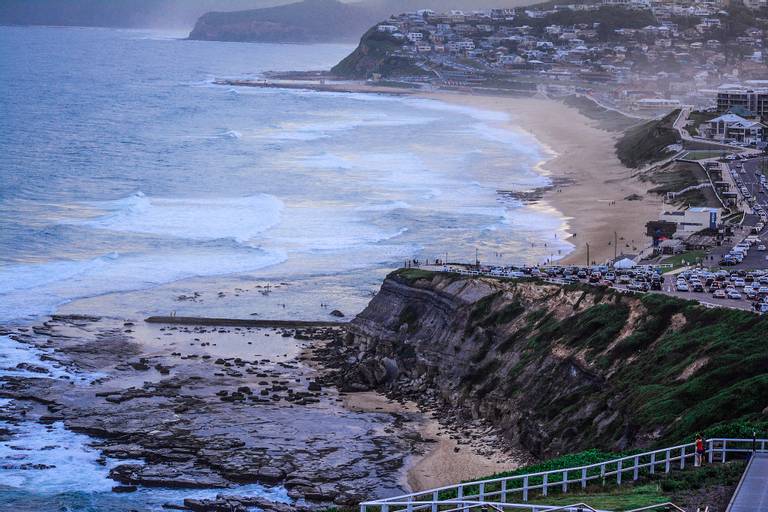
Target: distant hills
x,y
309,21
178,14
281,21
314,21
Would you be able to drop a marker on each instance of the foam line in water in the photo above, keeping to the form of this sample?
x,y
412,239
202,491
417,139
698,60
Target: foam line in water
x,y
28,291
238,218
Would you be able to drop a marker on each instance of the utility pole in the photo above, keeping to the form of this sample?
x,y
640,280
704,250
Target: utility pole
x,y
615,245
477,258
587,254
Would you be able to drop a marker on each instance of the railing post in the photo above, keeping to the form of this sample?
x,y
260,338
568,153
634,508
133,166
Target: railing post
x,y
682,457
362,507
409,508
711,454
618,472
637,468
565,481
666,463
583,478
544,484
481,496
525,489
724,449
762,445
503,491
602,472
653,463
435,498
385,507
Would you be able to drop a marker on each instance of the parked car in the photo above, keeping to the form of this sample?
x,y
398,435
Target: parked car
x,y
681,286
719,294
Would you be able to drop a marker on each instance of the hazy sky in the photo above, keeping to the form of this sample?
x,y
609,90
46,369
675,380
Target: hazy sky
x,y
184,13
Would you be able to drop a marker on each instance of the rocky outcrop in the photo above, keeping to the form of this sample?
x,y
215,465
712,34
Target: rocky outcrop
x,y
377,53
556,369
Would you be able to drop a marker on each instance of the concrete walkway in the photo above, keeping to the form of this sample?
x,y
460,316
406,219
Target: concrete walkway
x,y
752,493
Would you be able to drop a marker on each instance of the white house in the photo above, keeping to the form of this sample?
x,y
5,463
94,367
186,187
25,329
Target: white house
x,y
733,127
391,29
415,37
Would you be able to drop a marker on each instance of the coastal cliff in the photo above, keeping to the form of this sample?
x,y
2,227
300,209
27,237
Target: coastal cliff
x,y
558,369
376,53
310,21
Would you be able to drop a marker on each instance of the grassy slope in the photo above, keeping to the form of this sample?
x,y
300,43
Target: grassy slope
x,y
374,55
649,373
645,143
610,120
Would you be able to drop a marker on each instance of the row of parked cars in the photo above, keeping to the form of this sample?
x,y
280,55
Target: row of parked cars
x,y
740,285
737,254
762,188
721,284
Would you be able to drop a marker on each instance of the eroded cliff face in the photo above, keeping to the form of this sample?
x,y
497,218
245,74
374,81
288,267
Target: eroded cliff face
x,y
556,369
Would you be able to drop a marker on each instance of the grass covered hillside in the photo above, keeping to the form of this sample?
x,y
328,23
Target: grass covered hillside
x,y
562,369
375,54
646,143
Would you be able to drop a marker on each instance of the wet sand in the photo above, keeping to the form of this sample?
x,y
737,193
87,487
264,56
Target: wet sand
x,y
448,457
594,202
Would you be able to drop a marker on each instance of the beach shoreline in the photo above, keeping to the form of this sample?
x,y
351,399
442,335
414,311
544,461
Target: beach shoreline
x,y
591,188
594,204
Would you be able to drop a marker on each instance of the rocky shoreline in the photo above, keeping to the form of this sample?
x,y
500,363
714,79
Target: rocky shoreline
x,y
185,418
198,407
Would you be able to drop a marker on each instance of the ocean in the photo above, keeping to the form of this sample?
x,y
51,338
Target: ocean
x,y
129,181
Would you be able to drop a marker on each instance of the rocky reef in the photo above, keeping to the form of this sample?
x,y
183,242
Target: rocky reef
x,y
558,369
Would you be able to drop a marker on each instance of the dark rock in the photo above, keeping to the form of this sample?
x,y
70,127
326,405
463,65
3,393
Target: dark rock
x,y
124,488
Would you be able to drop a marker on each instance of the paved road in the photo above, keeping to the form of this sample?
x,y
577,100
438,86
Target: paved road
x,y
752,493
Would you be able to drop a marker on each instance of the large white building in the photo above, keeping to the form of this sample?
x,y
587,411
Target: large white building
x,y
693,220
732,127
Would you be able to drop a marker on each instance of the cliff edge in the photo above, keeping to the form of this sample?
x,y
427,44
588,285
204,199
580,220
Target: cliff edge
x,y
561,368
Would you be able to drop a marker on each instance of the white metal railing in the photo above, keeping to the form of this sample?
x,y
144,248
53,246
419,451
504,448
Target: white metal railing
x,y
500,490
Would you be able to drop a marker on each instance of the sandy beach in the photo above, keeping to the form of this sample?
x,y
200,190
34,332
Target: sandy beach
x,y
450,458
594,200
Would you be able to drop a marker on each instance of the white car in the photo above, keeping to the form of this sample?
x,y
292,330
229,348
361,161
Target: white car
x,y
761,247
734,295
682,286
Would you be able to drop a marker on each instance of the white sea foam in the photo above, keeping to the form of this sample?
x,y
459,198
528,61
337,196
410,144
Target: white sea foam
x,y
233,135
476,113
51,460
328,228
28,291
237,218
327,128
384,207
13,353
71,464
